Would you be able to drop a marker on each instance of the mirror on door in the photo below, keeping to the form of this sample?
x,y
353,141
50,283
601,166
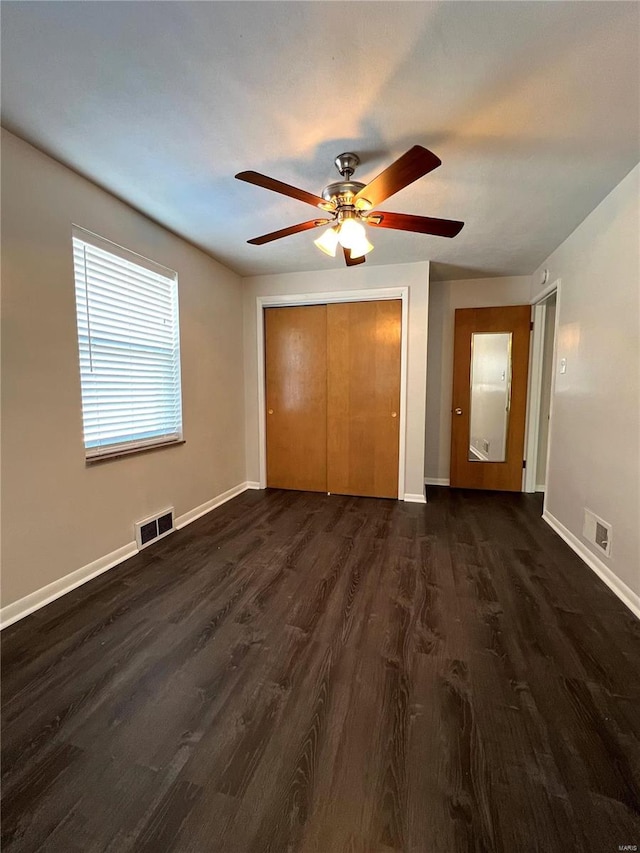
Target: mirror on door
x,y
490,396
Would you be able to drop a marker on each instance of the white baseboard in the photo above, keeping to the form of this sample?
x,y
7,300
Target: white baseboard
x,y
619,587
436,481
414,499
540,488
46,594
203,509
253,484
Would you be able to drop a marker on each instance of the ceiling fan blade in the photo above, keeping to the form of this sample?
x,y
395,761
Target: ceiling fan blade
x,y
285,189
421,224
285,232
404,171
352,262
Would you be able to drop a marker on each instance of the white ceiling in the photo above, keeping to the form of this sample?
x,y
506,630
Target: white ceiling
x,y
533,108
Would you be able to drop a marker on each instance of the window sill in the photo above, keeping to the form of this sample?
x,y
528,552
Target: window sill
x,y
134,451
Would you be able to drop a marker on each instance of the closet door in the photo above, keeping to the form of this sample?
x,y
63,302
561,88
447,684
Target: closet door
x,y
363,397
296,397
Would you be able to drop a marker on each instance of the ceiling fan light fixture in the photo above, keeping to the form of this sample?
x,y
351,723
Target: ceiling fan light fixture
x,y
328,242
361,248
351,234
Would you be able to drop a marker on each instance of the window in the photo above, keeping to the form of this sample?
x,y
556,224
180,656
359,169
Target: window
x,y
129,342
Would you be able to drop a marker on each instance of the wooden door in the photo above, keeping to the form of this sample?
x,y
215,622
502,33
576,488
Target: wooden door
x,y
296,397
363,397
490,369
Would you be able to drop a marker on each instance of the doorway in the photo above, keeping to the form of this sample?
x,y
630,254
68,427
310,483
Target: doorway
x,y
545,392
542,382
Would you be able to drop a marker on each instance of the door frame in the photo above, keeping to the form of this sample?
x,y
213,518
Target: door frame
x,y
325,298
535,387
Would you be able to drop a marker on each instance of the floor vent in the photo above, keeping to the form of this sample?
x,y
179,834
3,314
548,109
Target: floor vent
x,y
597,531
151,529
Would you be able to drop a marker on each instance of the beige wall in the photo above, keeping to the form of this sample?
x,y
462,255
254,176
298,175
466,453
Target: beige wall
x,y
58,515
594,440
413,276
445,297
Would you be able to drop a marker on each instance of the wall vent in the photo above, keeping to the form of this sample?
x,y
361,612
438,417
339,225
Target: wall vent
x,y
151,529
597,531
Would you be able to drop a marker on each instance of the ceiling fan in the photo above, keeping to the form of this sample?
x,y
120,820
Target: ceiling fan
x,y
350,204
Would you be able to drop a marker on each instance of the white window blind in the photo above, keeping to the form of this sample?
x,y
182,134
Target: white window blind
x,y
129,342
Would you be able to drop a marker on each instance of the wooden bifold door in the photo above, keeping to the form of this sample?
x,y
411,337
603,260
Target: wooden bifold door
x,y
333,397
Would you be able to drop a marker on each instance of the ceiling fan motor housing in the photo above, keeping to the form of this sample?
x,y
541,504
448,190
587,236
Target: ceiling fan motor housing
x,y
342,192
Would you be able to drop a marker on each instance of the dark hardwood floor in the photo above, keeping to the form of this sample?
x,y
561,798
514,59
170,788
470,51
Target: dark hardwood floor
x,y
297,672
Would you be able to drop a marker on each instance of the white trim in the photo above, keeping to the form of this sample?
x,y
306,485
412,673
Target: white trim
x,y
404,360
414,499
535,386
252,484
182,520
546,293
436,481
540,488
262,423
371,294
557,285
534,397
45,595
324,298
626,595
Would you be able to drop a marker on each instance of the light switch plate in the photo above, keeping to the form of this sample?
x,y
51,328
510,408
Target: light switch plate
x,y
563,365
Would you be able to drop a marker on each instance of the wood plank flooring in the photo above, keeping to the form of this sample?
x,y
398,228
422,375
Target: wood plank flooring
x,y
302,672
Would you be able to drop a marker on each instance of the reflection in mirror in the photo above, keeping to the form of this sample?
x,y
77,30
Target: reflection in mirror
x,y
490,396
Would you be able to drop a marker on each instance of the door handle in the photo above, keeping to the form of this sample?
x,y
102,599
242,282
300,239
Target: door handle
x,y
270,411
394,414
458,411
